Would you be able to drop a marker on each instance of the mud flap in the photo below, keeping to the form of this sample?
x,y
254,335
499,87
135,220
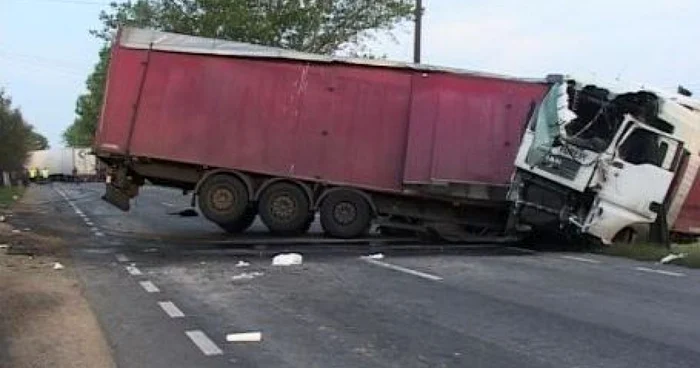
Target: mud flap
x,y
660,232
117,197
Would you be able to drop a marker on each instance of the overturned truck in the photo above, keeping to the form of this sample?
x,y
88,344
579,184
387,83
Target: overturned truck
x,y
257,131
616,165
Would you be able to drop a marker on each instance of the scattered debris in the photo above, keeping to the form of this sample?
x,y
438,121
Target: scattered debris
x,y
287,259
672,257
246,276
15,197
2,218
15,231
202,263
375,256
185,213
4,246
26,229
150,250
242,264
58,266
244,337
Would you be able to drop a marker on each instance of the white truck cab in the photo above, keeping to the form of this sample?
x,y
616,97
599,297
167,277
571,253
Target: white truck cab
x,y
605,162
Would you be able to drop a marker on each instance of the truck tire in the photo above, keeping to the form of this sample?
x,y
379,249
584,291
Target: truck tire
x,y
284,208
223,199
242,224
345,214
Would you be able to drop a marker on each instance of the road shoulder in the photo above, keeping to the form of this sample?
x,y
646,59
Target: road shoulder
x,y
46,320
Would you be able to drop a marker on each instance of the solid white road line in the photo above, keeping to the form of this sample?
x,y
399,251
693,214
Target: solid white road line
x,y
133,270
122,258
149,287
401,269
581,259
204,343
171,309
660,272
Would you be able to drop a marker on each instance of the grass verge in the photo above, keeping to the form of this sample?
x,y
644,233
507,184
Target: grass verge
x,y
7,195
654,253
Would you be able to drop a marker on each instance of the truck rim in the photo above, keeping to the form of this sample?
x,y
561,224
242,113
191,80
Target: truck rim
x,y
222,199
283,208
345,213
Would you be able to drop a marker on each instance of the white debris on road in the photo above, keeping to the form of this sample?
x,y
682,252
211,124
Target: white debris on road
x,y
14,197
4,246
26,229
246,276
242,264
672,257
287,259
375,256
2,218
244,337
58,266
15,231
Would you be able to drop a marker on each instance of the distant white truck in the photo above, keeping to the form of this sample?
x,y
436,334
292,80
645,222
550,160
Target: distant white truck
x,y
64,163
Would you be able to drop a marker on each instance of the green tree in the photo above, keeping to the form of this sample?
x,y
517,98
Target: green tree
x,y
89,105
316,26
37,142
16,136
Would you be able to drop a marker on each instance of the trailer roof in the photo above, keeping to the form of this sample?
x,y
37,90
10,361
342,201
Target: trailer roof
x,y
136,38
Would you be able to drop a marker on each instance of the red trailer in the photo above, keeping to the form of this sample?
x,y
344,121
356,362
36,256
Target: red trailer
x,y
257,130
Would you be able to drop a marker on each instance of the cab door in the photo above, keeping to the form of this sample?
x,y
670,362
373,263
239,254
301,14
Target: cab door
x,y
634,181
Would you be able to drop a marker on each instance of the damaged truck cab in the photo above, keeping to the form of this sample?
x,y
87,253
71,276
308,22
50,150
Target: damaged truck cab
x,y
613,165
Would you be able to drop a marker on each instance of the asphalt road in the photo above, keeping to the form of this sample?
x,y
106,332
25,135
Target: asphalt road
x,y
168,290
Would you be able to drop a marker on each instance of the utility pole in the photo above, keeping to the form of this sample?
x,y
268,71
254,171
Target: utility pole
x,y
418,31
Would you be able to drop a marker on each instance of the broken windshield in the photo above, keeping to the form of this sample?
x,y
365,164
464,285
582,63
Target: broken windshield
x,y
544,123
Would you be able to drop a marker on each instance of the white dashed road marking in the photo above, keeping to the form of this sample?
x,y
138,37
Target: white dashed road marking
x,y
204,343
80,213
171,309
149,287
244,337
660,272
122,258
581,259
401,269
133,270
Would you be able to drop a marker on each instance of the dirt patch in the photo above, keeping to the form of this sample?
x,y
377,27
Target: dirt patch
x,y
45,321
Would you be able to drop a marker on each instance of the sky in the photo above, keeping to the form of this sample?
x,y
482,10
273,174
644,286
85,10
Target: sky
x,y
46,51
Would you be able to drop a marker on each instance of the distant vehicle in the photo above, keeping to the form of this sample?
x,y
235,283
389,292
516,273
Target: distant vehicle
x,y
253,130
64,164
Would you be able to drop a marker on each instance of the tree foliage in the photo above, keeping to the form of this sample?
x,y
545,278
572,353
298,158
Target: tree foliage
x,y
17,137
37,142
89,105
316,26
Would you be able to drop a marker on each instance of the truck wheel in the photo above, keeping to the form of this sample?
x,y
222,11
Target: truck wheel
x,y
223,199
284,208
242,224
626,236
345,214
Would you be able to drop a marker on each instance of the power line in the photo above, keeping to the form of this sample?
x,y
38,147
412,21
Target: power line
x,y
74,2
4,54
24,65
